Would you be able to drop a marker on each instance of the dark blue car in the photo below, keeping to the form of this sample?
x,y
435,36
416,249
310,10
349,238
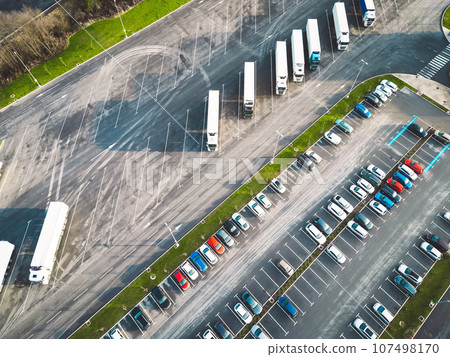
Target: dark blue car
x,y
402,179
384,200
198,262
287,306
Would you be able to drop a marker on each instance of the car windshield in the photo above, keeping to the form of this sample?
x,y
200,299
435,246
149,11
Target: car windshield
x,y
255,205
381,309
355,225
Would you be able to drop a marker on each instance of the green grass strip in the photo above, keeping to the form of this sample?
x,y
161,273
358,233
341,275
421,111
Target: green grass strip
x,y
82,47
440,106
406,322
446,18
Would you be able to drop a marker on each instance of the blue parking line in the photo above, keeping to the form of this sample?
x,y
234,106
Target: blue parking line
x,y
436,158
402,131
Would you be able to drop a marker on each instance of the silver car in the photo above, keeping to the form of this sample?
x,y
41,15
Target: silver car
x,y
358,192
366,185
362,328
383,313
385,89
243,313
206,251
277,185
336,254
376,171
332,138
431,251
240,221
378,208
256,209
314,232
263,200
390,84
357,229
409,274
313,156
341,201
336,211
380,95
405,170
189,270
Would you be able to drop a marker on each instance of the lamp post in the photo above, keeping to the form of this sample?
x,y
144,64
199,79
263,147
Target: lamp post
x,y
27,68
176,245
439,302
276,145
363,63
120,18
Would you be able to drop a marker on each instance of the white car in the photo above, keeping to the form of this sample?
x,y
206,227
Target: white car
x,y
385,89
263,200
357,229
243,313
376,171
366,185
258,332
336,211
189,270
380,95
431,251
240,221
365,330
358,192
208,335
409,274
277,185
206,251
341,201
116,334
313,156
405,170
336,254
447,217
390,84
314,232
255,208
378,207
383,313
332,138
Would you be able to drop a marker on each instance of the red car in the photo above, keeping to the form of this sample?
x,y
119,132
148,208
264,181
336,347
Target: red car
x,y
182,281
214,244
397,186
414,165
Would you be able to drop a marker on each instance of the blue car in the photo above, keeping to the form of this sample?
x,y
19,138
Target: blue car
x,y
362,110
344,126
384,200
402,179
198,261
287,306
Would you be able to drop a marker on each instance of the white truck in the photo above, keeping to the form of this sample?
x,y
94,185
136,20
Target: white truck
x,y
45,254
298,56
368,12
249,89
281,68
212,125
6,251
312,36
341,25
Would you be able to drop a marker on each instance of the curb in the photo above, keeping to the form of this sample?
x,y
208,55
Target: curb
x,y
445,30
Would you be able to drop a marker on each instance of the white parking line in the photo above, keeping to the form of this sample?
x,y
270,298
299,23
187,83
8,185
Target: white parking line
x,y
176,284
281,327
300,244
278,252
292,302
312,287
334,276
380,288
235,315
343,239
395,285
262,269
423,266
377,319
311,303
442,229
231,331
262,287
310,269
354,235
159,307
301,260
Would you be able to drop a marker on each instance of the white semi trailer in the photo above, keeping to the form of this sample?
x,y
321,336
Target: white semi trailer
x,y
341,25
281,68
6,251
212,125
249,89
368,12
298,56
45,253
312,36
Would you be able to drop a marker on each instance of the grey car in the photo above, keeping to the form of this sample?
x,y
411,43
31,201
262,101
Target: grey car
x,y
364,221
225,237
305,161
370,177
322,225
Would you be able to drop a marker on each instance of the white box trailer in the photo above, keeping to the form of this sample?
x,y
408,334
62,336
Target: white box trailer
x,y
341,25
249,89
6,251
312,36
298,56
281,68
48,242
368,12
212,125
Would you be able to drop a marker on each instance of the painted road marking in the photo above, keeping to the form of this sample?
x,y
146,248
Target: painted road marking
x,y
436,158
401,131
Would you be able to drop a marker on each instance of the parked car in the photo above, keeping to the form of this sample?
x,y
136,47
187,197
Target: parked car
x,y
304,161
384,314
417,129
336,211
140,319
358,192
314,156
225,237
409,274
341,201
366,185
380,95
436,242
384,200
208,335
376,171
368,176
404,181
258,332
392,85
364,221
372,99
180,279
189,270
378,207
251,303
214,244
231,228
332,138
357,229
446,217
405,170
336,254
222,331
344,126
363,329
388,191
385,89
240,221
116,334
363,111
285,267
314,232
243,313
256,209
198,262
160,298
287,306
431,251
404,285
323,226
414,165
443,137
263,200
397,186
207,253
277,185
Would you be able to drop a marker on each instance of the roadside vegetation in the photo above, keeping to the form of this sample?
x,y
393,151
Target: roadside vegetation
x,y
446,18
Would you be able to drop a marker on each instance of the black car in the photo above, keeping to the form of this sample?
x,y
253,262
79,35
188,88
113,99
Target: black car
x,y
222,331
322,225
389,191
437,242
364,221
140,318
417,129
160,298
372,99
231,228
304,160
370,177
